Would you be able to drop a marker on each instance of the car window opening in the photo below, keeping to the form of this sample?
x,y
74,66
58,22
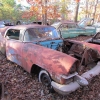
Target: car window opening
x,y
13,34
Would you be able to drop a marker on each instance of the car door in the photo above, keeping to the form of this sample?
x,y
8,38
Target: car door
x,y
64,30
69,30
31,51
14,46
72,30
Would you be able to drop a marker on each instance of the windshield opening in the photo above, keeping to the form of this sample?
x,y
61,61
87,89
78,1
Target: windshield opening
x,y
36,34
56,24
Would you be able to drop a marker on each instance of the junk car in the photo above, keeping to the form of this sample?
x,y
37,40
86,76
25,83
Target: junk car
x,y
95,39
60,64
69,29
89,23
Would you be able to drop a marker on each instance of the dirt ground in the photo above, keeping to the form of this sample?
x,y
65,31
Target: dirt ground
x,y
20,85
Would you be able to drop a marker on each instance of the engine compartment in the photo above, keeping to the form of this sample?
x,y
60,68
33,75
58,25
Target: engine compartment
x,y
87,56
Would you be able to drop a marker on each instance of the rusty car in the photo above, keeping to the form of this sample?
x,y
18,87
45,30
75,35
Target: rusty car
x,y
94,39
62,65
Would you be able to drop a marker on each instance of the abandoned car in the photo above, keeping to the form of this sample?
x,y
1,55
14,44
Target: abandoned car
x,y
69,29
62,65
95,39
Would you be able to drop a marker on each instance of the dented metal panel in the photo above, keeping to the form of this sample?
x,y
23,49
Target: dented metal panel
x,y
14,51
53,61
85,44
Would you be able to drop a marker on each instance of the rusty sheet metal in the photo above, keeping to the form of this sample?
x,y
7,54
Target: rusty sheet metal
x,y
14,51
54,62
27,26
51,60
89,45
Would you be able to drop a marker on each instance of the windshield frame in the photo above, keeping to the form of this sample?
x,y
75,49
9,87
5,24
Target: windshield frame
x,y
55,35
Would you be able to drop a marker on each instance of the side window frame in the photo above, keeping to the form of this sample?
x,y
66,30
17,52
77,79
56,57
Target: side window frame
x,y
24,36
13,38
61,26
96,35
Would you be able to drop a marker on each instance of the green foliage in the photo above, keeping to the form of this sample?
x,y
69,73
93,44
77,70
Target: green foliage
x,y
9,10
64,8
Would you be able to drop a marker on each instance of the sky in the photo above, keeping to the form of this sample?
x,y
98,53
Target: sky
x,y
22,2
72,4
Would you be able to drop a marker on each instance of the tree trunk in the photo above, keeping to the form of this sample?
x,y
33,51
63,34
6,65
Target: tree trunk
x,y
95,9
86,8
44,12
45,20
76,14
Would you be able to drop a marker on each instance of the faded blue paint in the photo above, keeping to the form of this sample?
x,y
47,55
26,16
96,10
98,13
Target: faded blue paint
x,y
53,44
11,51
76,32
13,56
71,29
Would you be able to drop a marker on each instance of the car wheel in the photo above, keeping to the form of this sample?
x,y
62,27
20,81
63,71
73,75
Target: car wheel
x,y
46,80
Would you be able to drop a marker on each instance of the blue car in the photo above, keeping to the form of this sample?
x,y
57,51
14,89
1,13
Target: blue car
x,y
69,29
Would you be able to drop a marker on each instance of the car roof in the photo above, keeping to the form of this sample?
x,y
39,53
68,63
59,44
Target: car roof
x,y
65,22
3,29
28,26
68,22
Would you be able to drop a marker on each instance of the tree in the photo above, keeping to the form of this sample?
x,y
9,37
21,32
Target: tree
x,y
77,9
94,13
10,10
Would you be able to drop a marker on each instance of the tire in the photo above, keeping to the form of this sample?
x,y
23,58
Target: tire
x,y
45,79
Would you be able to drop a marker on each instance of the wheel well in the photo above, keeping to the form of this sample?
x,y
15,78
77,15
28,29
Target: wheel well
x,y
35,69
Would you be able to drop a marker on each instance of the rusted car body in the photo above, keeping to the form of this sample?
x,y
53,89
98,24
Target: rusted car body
x,y
87,53
89,56
38,48
95,39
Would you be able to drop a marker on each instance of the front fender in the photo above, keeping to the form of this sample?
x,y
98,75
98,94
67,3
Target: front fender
x,y
53,61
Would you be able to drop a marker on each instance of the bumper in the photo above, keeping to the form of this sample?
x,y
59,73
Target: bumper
x,y
93,72
65,89
79,81
68,88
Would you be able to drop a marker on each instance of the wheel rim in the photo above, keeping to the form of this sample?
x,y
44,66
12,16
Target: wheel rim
x,y
45,80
